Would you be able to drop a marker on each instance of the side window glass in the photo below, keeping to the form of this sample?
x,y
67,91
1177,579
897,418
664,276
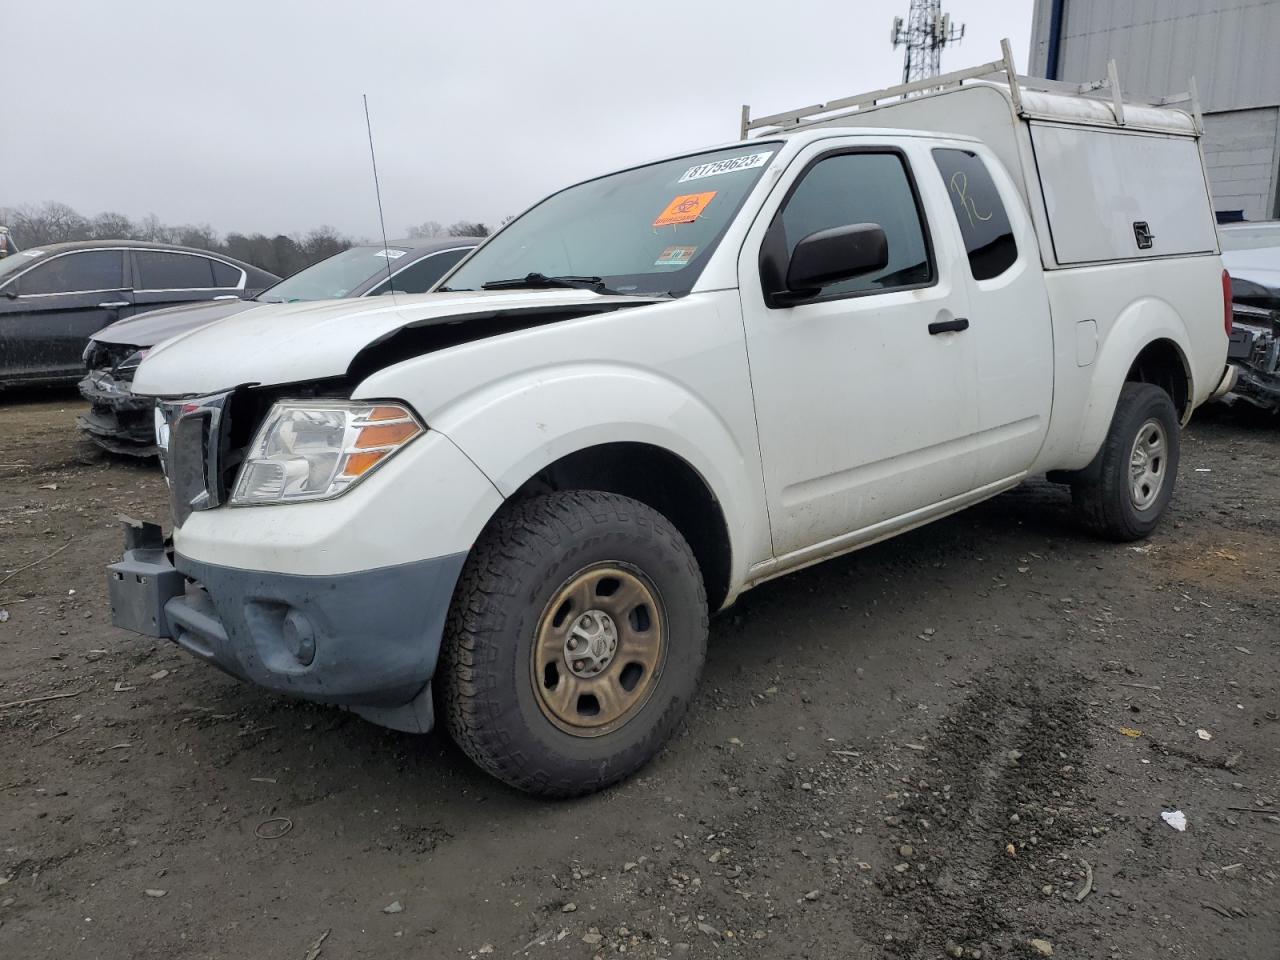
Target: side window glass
x,y
225,275
75,272
158,270
422,276
988,237
861,188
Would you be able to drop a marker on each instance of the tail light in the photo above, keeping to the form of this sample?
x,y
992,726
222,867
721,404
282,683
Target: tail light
x,y
1226,302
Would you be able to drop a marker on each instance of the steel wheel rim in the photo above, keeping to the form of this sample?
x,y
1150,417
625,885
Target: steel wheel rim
x,y
1148,460
599,649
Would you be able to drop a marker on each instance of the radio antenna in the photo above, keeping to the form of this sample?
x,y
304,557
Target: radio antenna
x,y
382,223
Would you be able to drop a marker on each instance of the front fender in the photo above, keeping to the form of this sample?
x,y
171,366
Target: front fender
x,y
1142,323
514,427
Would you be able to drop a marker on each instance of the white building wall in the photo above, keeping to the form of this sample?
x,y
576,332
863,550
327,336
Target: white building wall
x,y
1242,152
1229,46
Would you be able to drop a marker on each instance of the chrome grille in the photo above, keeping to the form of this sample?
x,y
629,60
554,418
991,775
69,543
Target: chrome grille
x,y
193,455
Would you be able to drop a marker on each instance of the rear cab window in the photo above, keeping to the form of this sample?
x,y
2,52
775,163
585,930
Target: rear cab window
x,y
980,213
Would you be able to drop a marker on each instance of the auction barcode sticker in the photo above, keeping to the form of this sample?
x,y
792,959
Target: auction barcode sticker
x,y
732,165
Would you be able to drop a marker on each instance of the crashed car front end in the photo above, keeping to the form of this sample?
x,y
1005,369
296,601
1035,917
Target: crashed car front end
x,y
1254,350
117,419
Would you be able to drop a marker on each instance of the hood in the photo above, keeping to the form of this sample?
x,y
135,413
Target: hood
x,y
1255,276
1257,266
148,329
284,343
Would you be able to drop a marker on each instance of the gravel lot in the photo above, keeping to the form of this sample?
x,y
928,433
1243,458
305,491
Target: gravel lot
x,y
922,750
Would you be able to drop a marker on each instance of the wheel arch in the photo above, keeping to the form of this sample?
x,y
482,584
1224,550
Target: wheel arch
x,y
1163,363
659,478
597,420
1147,343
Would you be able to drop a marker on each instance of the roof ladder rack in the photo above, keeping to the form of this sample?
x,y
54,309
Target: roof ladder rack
x,y
794,118
1002,70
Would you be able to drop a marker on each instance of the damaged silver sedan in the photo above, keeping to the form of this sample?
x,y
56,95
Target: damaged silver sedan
x,y
121,422
1251,253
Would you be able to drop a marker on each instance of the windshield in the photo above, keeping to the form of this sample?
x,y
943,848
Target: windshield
x,y
16,261
334,277
649,230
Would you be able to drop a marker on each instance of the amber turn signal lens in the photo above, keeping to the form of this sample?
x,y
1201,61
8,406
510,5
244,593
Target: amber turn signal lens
x,y
386,434
358,464
387,413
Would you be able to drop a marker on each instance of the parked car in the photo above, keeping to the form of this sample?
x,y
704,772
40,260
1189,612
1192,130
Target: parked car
x,y
661,387
122,423
1249,235
54,296
1251,252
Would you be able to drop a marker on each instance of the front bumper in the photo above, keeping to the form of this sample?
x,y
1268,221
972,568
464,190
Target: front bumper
x,y
367,641
117,419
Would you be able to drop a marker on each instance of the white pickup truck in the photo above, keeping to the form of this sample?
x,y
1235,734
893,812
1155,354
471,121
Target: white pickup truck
x,y
516,499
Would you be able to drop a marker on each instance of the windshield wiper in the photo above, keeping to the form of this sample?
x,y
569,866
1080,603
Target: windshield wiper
x,y
542,281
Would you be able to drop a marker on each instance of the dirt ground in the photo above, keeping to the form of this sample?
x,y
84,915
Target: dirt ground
x,y
951,744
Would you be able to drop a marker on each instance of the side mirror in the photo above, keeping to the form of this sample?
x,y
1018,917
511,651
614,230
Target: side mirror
x,y
11,290
840,253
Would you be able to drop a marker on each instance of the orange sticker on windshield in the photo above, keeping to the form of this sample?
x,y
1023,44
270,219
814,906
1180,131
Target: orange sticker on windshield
x,y
684,209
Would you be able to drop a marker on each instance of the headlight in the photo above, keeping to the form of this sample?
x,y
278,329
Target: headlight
x,y
132,360
317,449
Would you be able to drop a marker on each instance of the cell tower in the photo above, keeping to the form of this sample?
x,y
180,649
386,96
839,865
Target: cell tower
x,y
924,33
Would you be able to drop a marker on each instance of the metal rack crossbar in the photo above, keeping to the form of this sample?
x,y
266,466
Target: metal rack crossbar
x,y
1002,70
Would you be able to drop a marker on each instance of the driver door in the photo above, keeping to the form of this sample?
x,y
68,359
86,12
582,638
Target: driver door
x,y
865,393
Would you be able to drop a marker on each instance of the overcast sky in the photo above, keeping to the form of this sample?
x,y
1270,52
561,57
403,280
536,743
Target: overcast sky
x,y
246,114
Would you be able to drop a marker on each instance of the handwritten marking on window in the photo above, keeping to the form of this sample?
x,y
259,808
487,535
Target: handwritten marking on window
x,y
960,187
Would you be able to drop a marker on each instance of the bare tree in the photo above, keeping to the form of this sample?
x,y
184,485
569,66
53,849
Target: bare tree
x,y
51,223
110,226
465,228
323,241
150,228
425,230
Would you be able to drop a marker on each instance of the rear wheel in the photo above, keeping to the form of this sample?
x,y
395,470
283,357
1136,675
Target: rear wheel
x,y
1131,482
575,642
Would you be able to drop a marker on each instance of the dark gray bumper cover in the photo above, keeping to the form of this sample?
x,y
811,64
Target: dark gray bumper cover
x,y
367,641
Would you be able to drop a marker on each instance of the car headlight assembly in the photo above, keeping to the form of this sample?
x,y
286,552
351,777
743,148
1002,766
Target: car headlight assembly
x,y
133,360
319,449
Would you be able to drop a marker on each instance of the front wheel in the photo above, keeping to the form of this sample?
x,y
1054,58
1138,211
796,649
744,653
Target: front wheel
x,y
575,642
1130,483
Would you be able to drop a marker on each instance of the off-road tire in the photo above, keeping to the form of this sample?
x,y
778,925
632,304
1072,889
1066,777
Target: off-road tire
x,y
1101,496
486,694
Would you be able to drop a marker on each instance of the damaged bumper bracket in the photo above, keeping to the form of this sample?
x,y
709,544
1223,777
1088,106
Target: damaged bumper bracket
x,y
367,641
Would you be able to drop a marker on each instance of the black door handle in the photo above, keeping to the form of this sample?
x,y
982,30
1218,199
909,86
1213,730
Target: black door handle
x,y
949,326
